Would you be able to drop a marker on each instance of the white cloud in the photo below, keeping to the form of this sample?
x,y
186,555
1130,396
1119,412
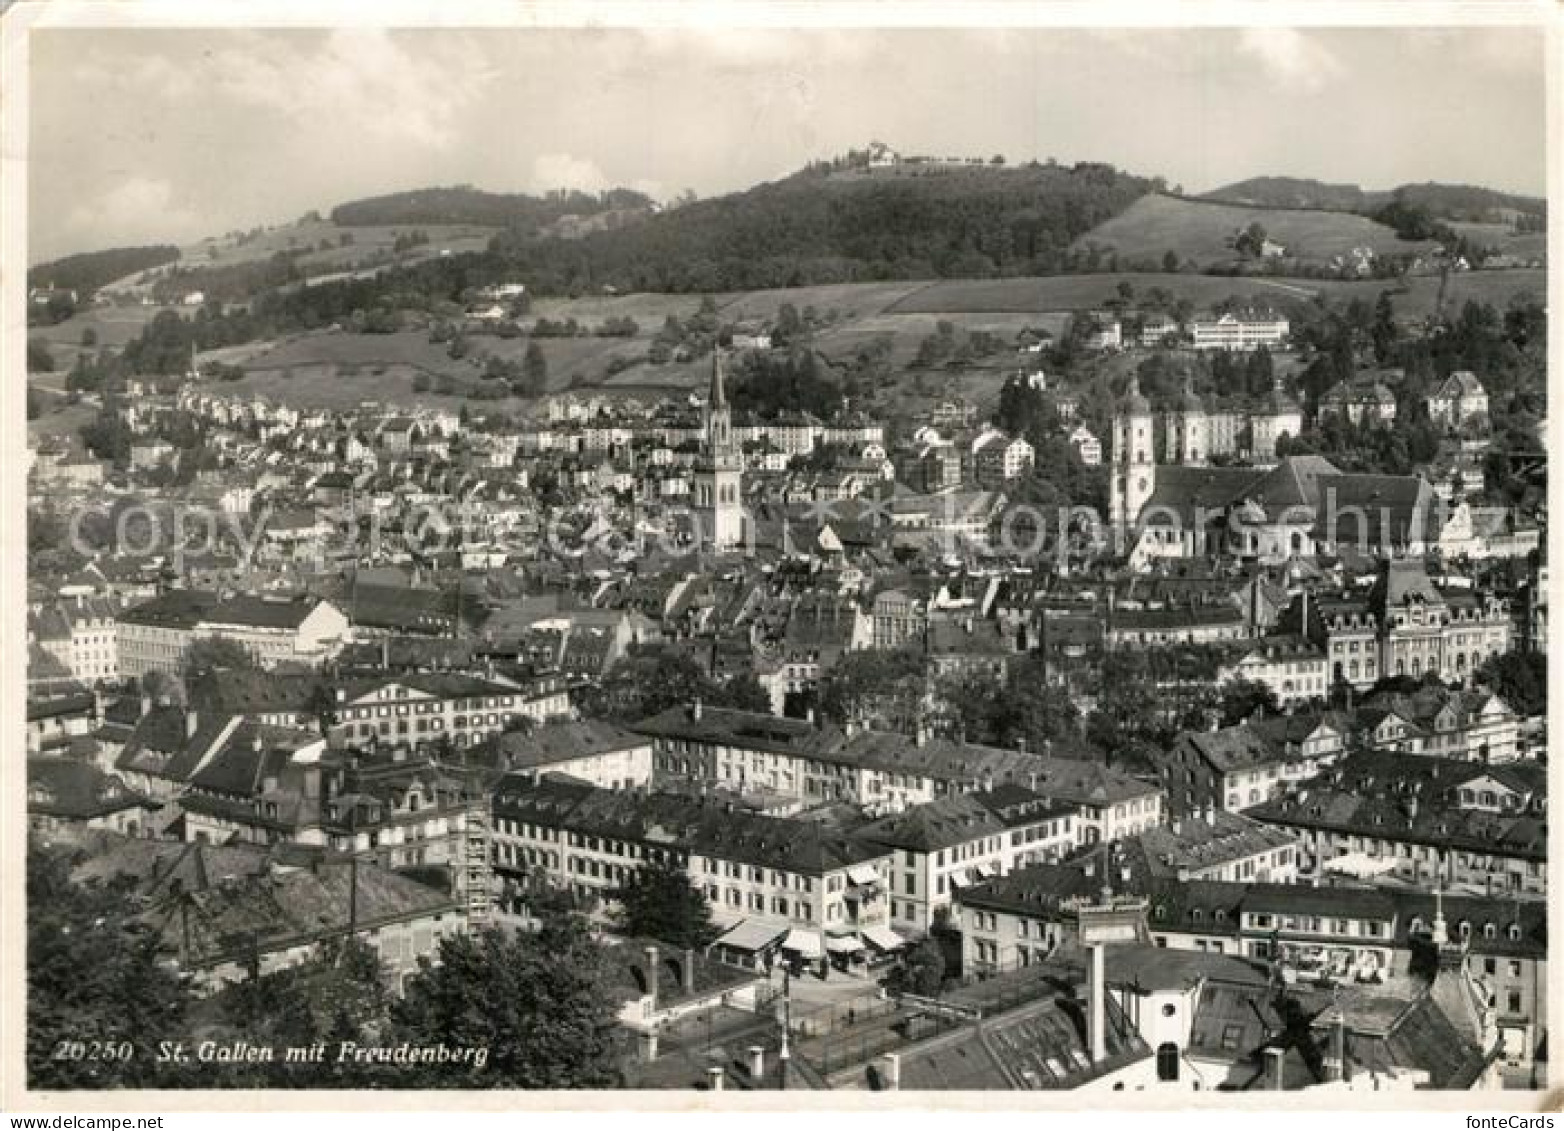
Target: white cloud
x,y
565,171
1293,58
357,80
134,210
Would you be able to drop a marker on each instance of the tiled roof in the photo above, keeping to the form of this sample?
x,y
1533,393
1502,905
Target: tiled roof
x,y
562,742
65,787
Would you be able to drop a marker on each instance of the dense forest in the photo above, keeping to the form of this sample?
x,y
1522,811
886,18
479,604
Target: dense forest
x,y
1443,201
90,270
462,204
820,227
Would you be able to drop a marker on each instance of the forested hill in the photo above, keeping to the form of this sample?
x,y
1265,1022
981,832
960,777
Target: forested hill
x,y
1442,201
90,270
462,204
825,225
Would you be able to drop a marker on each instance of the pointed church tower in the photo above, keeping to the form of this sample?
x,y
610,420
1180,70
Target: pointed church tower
x,y
718,509
1134,468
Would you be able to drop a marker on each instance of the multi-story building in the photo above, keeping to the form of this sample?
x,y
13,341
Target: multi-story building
x,y
1348,937
1359,401
940,846
1403,818
588,750
300,630
423,710
82,634
1235,768
1459,398
884,771
998,458
1086,445
1292,666
1475,725
759,872
1238,330
898,618
1404,625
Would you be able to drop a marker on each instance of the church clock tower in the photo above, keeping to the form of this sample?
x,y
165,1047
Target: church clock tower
x,y
1134,466
719,509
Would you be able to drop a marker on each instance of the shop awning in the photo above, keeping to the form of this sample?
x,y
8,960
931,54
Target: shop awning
x,y
883,939
863,874
752,936
803,943
843,944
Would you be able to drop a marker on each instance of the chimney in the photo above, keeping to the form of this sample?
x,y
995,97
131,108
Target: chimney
x,y
757,1062
892,1073
649,1046
385,654
651,978
689,971
146,705
921,736
1336,1060
1021,743
696,710
1097,1006
1275,1059
192,723
714,1077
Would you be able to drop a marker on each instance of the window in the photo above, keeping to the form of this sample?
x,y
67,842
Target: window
x,y
1167,1061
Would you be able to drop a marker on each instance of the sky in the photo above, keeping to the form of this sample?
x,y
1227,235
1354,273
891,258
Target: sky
x,y
141,136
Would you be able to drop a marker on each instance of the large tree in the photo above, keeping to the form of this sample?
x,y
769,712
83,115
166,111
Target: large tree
x,y
1520,679
921,970
93,974
875,686
214,652
541,1003
1019,708
648,680
658,901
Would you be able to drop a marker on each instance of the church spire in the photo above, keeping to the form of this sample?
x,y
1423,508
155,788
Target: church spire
x,y
717,398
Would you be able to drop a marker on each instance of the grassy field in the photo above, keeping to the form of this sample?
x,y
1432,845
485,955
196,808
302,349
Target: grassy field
x,y
290,369
849,300
1199,231
326,252
1497,288
1064,293
113,325
58,419
1530,245
648,310
901,314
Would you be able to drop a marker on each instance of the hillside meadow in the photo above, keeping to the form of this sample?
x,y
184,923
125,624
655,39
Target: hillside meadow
x,y
1200,231
312,368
